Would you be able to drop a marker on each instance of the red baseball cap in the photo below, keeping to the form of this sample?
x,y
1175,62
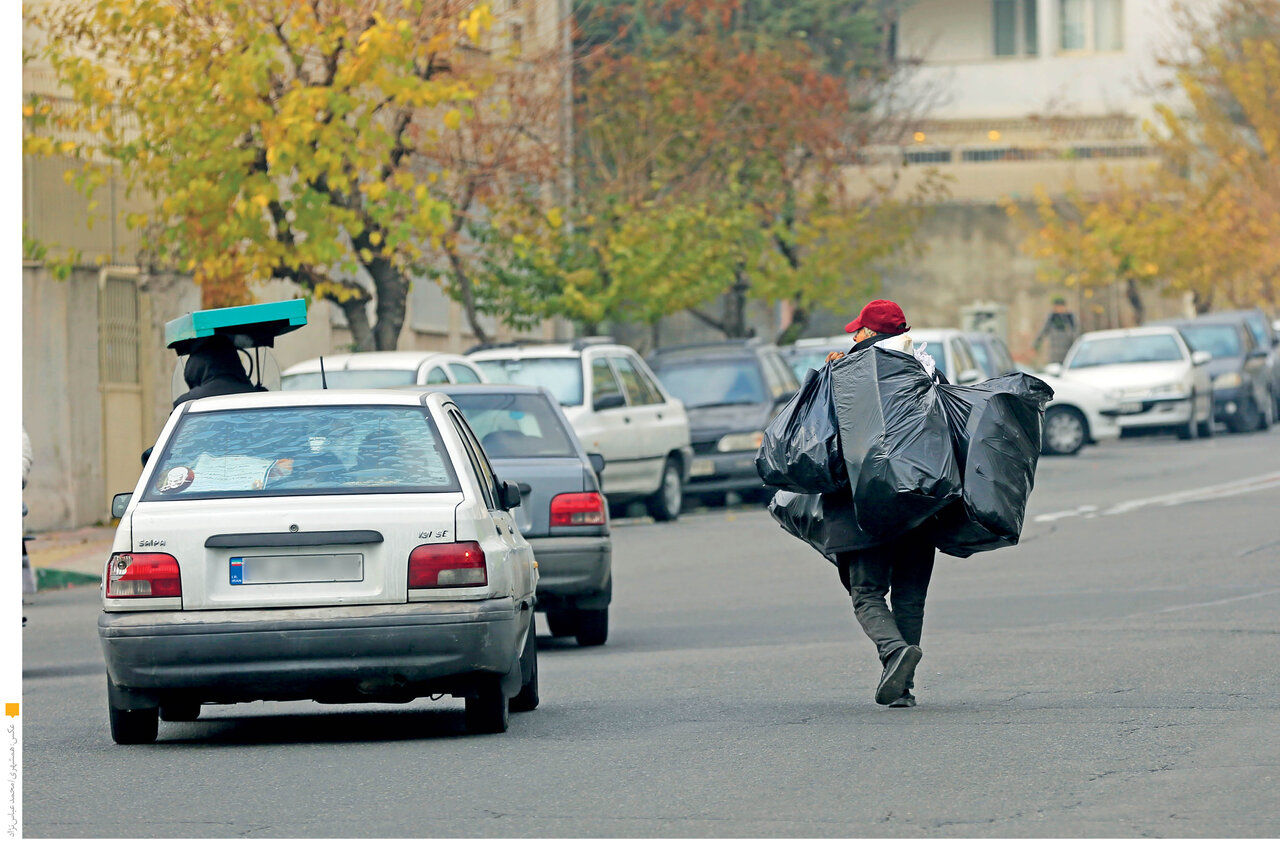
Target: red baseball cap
x,y
882,317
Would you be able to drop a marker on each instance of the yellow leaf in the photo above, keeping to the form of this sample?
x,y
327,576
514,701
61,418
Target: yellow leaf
x,y
375,238
554,217
453,119
366,255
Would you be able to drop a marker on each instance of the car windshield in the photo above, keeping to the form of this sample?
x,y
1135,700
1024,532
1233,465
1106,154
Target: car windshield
x,y
1218,340
803,359
720,382
983,358
287,451
1126,350
365,378
516,426
561,375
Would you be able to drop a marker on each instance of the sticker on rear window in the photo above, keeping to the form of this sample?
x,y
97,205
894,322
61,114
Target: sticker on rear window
x,y
175,479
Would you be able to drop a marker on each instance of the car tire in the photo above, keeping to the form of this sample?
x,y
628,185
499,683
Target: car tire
x,y
180,711
489,711
665,503
593,627
1065,431
562,623
134,727
527,699
1187,431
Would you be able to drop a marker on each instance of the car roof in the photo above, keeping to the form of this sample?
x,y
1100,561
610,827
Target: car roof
x,y
1237,318
1145,330
362,360
821,342
479,389
307,397
695,350
557,350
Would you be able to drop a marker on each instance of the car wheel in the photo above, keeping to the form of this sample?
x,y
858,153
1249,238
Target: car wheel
x,y
180,711
665,503
1065,431
527,698
488,712
562,623
1187,431
134,727
593,627
1247,419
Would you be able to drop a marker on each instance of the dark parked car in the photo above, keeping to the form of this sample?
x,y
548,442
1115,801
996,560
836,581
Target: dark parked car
x,y
731,391
1267,337
562,513
1242,394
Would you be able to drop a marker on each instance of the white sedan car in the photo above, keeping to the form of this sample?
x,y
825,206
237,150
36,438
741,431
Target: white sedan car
x,y
1079,414
1158,380
380,370
341,546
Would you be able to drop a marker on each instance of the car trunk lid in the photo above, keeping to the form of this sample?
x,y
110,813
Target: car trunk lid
x,y
544,478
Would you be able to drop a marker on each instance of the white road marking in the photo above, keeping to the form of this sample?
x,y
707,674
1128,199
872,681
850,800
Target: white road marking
x,y
1215,602
1262,482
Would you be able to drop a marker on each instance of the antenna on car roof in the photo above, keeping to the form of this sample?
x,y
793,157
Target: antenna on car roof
x,y
324,382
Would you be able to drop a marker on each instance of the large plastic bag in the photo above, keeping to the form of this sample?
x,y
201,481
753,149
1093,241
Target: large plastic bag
x,y
801,447
996,428
825,522
896,441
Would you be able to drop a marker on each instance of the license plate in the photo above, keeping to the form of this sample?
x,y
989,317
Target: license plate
x,y
289,569
702,468
1131,408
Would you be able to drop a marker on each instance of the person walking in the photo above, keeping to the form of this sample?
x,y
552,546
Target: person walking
x,y
896,571
1060,329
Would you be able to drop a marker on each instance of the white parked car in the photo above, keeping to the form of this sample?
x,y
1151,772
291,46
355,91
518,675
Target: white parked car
x,y
342,546
381,370
951,352
617,408
1079,414
1158,380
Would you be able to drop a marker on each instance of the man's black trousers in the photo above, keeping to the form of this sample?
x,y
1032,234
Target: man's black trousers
x,y
900,570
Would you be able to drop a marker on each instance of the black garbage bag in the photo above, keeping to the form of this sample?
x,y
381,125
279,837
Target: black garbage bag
x,y
996,427
896,441
825,522
801,447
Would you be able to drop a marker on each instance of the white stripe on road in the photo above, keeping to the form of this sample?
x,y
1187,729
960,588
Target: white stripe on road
x,y
1248,485
1215,602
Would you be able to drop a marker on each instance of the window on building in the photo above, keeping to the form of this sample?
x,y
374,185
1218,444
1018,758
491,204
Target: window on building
x,y
1014,23
1091,25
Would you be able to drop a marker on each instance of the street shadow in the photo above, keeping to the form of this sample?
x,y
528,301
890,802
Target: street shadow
x,y
65,671
320,727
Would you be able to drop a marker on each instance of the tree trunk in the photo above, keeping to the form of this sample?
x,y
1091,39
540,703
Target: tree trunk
x,y
391,292
799,321
357,322
1135,300
468,294
735,306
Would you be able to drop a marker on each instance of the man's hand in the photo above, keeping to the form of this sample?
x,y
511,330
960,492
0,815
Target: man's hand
x,y
834,355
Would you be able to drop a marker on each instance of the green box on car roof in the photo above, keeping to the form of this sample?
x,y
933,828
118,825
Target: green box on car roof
x,y
248,326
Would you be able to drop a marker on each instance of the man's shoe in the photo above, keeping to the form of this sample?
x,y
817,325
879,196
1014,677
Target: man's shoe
x,y
897,672
906,700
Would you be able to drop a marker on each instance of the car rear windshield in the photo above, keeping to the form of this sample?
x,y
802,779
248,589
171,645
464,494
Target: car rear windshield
x,y
1218,340
516,426
721,382
288,451
1126,350
365,378
561,375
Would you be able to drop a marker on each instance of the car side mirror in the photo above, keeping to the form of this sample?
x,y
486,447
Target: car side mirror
x,y
1258,354
1054,369
597,462
968,377
1200,357
608,402
510,496
120,504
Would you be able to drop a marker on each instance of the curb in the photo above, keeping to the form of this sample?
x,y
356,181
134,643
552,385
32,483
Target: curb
x,y
50,579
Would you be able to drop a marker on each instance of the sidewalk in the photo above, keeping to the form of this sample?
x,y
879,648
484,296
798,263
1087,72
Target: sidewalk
x,y
62,558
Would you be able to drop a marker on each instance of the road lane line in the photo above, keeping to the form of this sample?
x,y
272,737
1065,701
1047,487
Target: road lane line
x,y
1214,602
1262,482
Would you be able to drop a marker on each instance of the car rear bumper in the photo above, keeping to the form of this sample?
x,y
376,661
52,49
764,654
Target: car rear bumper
x,y
347,653
574,571
717,472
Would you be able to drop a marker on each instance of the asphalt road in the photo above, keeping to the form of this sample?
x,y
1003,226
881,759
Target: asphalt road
x,y
1115,675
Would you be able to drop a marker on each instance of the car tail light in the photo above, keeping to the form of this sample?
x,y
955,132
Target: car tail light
x,y
447,566
579,509
143,574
